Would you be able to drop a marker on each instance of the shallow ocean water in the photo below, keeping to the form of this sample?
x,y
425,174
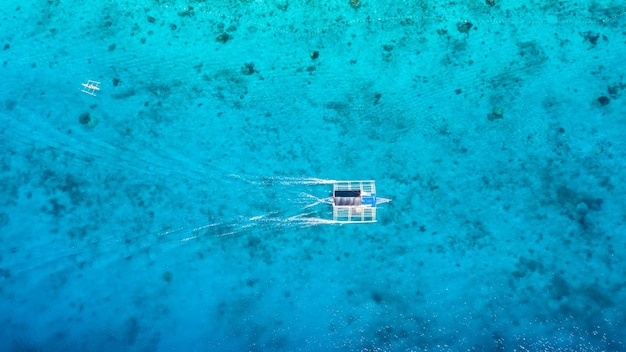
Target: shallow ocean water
x,y
178,208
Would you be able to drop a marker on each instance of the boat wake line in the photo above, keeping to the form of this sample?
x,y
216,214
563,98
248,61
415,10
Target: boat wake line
x,y
303,213
351,202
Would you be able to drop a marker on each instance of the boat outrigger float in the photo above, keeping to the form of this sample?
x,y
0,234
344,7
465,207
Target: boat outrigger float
x,y
354,202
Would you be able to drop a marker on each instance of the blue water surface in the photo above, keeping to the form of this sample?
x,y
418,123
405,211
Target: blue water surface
x,y
178,208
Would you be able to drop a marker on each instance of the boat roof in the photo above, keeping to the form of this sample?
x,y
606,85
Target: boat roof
x,y
355,201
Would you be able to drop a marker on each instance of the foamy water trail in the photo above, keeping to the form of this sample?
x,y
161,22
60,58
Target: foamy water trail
x,y
170,234
282,180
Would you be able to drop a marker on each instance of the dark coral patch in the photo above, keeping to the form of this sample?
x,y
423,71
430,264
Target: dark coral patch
x,y
604,100
377,297
464,27
248,69
167,276
84,118
223,38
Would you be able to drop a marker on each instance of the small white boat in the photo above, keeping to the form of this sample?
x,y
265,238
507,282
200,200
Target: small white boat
x,y
91,87
354,202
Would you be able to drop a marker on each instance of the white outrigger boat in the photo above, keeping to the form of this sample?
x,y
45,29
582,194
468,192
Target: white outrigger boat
x,y
91,87
354,202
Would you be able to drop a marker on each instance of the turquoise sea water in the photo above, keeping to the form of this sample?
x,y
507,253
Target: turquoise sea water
x,y
178,208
